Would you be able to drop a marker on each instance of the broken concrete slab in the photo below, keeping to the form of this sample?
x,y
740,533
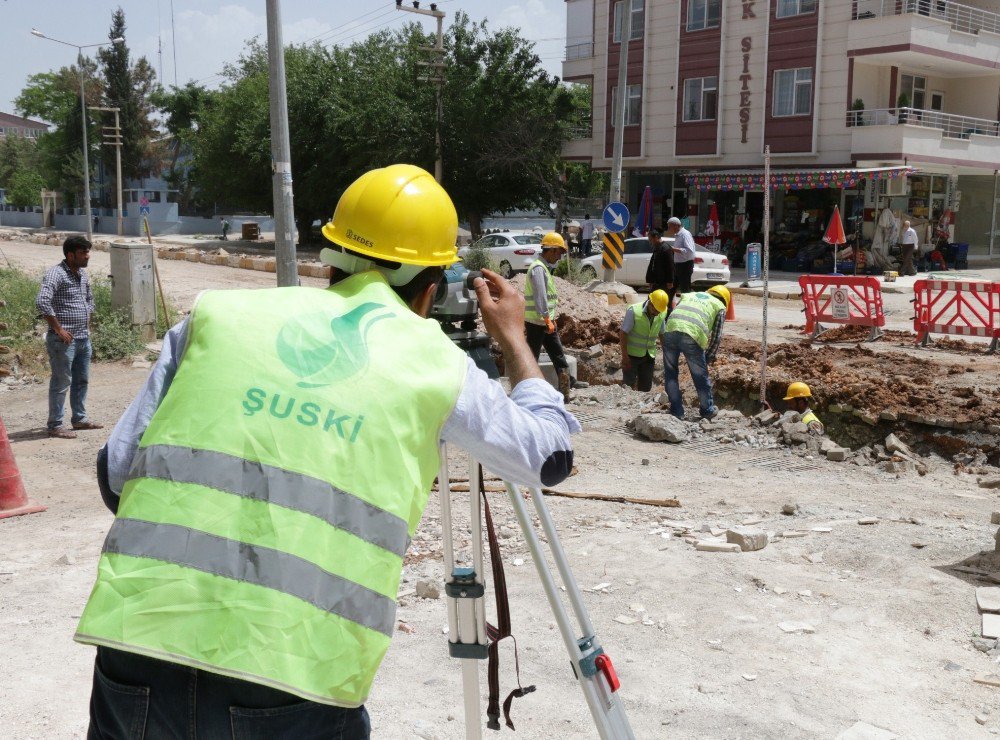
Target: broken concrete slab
x,y
716,546
837,454
991,625
767,418
796,628
661,428
749,540
895,444
988,598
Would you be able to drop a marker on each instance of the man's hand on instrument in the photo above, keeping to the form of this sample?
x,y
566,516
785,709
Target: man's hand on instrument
x,y
502,308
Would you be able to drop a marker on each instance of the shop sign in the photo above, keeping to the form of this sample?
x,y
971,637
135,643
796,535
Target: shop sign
x,y
746,44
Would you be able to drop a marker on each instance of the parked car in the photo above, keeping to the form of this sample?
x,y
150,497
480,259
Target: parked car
x,y
513,252
710,268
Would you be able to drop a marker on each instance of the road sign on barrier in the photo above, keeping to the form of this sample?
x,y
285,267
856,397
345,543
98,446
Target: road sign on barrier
x,y
860,302
616,217
958,307
614,249
753,262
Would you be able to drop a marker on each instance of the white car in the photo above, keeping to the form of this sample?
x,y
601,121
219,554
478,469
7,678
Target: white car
x,y
710,268
513,252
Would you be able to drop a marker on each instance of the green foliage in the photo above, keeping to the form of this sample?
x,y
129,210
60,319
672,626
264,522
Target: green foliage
x,y
129,87
18,154
479,258
903,101
19,314
569,269
26,188
858,104
183,108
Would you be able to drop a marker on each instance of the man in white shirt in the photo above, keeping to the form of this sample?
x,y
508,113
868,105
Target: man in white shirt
x,y
684,253
586,235
907,244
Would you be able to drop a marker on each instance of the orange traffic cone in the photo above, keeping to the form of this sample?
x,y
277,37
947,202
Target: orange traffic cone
x,y
731,309
13,499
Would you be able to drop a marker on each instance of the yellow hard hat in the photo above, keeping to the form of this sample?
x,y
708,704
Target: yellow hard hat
x,y
660,300
397,213
798,390
553,239
721,292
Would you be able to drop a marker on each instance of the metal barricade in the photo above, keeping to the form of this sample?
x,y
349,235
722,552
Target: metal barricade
x,y
842,299
957,307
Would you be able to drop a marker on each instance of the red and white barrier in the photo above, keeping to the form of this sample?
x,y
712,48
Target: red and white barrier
x,y
855,300
957,307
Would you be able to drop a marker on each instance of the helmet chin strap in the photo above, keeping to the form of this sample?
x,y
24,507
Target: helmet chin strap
x,y
353,264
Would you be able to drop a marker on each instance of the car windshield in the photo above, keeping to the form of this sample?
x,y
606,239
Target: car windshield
x,y
527,239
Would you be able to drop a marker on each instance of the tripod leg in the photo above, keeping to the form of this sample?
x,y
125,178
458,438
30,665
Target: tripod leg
x,y
591,665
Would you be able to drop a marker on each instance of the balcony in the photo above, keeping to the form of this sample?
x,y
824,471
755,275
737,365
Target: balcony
x,y
580,145
924,135
957,40
579,61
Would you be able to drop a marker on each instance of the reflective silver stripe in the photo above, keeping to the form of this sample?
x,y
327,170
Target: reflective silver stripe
x,y
254,564
688,320
276,486
695,309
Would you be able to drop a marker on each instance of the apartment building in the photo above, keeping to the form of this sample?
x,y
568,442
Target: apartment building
x,y
844,92
11,125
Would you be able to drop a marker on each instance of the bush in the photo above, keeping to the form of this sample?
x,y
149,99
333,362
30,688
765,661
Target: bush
x,y
479,258
569,269
113,335
18,314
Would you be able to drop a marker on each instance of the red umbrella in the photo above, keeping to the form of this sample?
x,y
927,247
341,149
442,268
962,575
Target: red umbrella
x,y
835,231
712,228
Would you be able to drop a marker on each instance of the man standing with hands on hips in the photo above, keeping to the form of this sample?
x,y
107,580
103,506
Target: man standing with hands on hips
x,y
684,253
66,302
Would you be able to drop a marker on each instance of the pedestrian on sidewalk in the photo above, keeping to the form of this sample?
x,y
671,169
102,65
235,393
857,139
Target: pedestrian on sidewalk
x,y
684,253
908,243
797,397
225,228
540,299
586,236
694,329
275,478
643,325
66,302
660,270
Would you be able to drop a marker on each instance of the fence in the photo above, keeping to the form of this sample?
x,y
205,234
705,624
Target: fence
x,y
842,299
963,308
964,18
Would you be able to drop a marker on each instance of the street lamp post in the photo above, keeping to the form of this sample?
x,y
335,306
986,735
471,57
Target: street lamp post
x,y
83,118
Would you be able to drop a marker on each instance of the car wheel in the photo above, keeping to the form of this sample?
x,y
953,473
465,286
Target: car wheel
x,y
505,270
588,273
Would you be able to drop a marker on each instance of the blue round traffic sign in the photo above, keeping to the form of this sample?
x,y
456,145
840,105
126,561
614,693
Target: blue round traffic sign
x,y
616,217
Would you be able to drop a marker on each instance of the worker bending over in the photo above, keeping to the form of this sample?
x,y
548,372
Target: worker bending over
x,y
694,329
643,325
268,482
797,399
540,308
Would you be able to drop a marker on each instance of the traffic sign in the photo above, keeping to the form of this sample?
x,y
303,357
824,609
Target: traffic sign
x,y
614,248
841,304
143,210
616,217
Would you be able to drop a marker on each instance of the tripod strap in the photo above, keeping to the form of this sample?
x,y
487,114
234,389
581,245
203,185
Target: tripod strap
x,y
502,631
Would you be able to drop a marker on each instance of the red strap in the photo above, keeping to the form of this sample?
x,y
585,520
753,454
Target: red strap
x,y
496,634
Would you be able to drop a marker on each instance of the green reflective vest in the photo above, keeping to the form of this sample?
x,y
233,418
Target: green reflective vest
x,y
531,312
809,417
262,530
695,316
645,331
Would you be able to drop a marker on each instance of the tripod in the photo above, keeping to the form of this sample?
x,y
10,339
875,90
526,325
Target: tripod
x,y
466,603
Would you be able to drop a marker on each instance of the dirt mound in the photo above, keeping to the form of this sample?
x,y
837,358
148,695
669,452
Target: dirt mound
x,y
584,319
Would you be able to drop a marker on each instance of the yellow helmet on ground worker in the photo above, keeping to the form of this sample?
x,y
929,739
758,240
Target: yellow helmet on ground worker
x,y
660,300
721,292
553,240
798,389
399,214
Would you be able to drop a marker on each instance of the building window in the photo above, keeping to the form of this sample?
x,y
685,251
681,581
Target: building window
x,y
793,92
788,8
700,96
915,90
633,105
703,14
638,19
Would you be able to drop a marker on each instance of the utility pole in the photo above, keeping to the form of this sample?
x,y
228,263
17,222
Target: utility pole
x,y
114,138
281,154
83,119
616,163
435,74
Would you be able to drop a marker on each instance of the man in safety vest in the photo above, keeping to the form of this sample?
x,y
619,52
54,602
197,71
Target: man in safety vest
x,y
269,476
540,299
694,329
797,395
643,325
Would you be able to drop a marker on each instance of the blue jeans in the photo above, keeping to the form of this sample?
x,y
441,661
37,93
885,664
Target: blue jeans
x,y
136,697
675,343
70,365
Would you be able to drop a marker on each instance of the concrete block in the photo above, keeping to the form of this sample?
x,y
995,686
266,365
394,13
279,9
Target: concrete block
x,y
749,540
716,546
988,600
991,625
838,454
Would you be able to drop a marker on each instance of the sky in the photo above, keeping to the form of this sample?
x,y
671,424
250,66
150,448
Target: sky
x,y
210,33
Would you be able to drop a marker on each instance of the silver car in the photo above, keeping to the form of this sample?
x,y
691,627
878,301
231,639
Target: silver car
x,y
513,252
710,268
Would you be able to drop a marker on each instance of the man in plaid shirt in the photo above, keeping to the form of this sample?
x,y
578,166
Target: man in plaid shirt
x,y
66,302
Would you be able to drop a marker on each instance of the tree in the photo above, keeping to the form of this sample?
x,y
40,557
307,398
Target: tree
x,y
505,122
183,108
128,87
18,154
26,189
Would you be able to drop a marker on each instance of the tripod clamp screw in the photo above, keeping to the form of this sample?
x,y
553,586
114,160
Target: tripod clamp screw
x,y
463,585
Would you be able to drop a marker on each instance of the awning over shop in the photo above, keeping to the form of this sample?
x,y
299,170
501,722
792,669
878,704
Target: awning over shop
x,y
792,179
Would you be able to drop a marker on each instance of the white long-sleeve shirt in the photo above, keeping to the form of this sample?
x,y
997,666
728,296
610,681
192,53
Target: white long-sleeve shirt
x,y
524,438
684,246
